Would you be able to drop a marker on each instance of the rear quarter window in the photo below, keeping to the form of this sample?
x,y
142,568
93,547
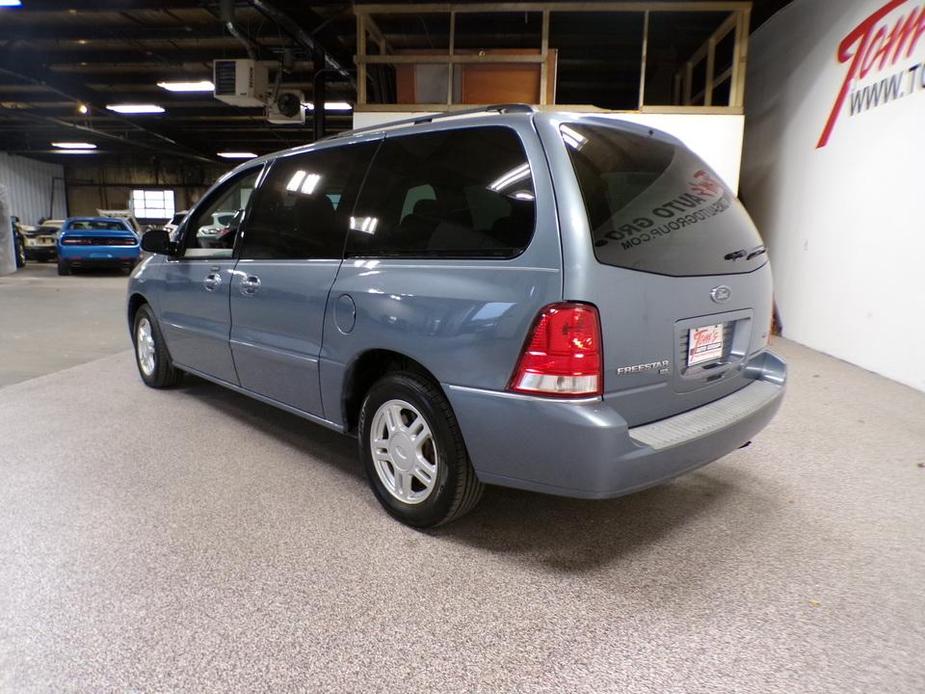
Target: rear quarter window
x,y
657,207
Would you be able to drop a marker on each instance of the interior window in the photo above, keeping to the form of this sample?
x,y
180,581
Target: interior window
x,y
211,229
303,207
465,193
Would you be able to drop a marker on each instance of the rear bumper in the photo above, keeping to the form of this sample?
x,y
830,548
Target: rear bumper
x,y
99,255
585,448
41,252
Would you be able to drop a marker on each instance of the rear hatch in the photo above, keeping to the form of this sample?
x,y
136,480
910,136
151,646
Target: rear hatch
x,y
672,261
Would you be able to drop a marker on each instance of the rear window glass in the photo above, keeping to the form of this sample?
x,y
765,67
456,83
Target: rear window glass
x,y
98,225
464,193
655,206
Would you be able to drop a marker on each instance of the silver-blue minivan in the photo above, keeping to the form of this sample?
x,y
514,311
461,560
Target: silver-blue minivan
x,y
564,303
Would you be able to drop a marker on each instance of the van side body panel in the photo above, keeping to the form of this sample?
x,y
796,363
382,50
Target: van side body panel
x,y
464,320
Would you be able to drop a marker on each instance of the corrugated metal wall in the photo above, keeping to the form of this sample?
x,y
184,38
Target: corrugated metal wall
x,y
30,184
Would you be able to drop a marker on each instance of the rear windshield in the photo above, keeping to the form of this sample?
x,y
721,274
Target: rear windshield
x,y
655,206
98,225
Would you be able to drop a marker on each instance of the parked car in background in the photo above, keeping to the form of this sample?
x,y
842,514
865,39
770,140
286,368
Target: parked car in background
x,y
19,251
174,223
127,215
564,303
96,242
213,235
41,242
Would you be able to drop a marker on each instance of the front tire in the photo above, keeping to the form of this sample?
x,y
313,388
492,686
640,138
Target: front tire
x,y
63,268
413,451
154,364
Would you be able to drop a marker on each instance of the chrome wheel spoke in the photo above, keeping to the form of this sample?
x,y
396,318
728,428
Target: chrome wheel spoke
x,y
417,427
145,347
403,451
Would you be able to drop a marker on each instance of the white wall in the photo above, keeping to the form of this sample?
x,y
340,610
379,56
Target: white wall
x,y
29,187
717,139
842,221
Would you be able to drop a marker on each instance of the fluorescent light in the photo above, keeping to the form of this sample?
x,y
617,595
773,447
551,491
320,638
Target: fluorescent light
x,y
10,3
76,151
311,182
365,224
572,138
200,86
331,106
518,173
135,108
237,155
73,145
295,181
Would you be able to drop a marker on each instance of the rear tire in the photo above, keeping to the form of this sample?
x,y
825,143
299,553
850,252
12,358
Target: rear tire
x,y
413,452
20,250
63,268
151,357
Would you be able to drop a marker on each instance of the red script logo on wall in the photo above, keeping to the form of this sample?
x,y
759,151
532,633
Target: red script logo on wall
x,y
875,45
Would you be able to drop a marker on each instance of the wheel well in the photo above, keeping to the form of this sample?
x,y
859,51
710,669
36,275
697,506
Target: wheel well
x,y
368,368
135,302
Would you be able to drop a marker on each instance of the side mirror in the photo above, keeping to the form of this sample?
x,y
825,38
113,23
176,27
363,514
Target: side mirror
x,y
158,241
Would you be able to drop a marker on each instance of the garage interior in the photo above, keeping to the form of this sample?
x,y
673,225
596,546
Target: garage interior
x,y
193,539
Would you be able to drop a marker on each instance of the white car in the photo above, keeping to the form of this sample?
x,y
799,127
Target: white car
x,y
174,224
210,235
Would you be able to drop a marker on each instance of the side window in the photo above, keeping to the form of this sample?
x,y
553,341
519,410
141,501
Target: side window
x,y
211,230
303,207
414,196
464,193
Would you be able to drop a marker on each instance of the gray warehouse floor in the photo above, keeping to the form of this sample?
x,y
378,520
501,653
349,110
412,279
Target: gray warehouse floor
x,y
194,539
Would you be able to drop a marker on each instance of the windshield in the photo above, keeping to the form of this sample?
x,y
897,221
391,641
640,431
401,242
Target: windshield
x,y
657,207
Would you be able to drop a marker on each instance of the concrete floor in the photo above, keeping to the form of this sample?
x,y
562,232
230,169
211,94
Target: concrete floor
x,y
193,539
39,309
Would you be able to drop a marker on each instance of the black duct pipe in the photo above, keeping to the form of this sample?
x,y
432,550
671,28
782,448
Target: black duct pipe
x,y
291,27
318,94
226,13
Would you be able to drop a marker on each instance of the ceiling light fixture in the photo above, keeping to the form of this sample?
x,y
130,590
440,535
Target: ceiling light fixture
x,y
135,108
76,151
236,155
332,106
82,109
73,145
200,86
10,3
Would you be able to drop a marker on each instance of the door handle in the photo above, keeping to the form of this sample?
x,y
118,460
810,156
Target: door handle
x,y
212,281
250,284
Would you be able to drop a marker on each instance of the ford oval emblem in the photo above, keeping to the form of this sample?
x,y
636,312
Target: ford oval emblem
x,y
720,294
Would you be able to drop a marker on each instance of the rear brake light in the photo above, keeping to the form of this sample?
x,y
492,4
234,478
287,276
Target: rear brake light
x,y
562,356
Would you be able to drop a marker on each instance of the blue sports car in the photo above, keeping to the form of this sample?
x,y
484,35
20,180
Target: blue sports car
x,y
96,242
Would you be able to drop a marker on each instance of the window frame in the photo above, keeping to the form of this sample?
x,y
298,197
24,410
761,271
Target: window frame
x,y
416,256
221,187
163,192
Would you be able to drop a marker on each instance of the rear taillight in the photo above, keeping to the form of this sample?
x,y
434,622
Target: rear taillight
x,y
563,355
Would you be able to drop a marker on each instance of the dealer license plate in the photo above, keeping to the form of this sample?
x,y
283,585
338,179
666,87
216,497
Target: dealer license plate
x,y
705,344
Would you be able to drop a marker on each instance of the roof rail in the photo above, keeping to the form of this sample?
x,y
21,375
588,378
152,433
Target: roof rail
x,y
405,122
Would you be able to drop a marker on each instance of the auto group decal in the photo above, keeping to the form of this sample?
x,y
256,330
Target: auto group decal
x,y
705,197
874,48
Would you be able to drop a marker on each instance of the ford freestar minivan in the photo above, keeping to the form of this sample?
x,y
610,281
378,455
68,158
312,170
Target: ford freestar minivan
x,y
558,302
